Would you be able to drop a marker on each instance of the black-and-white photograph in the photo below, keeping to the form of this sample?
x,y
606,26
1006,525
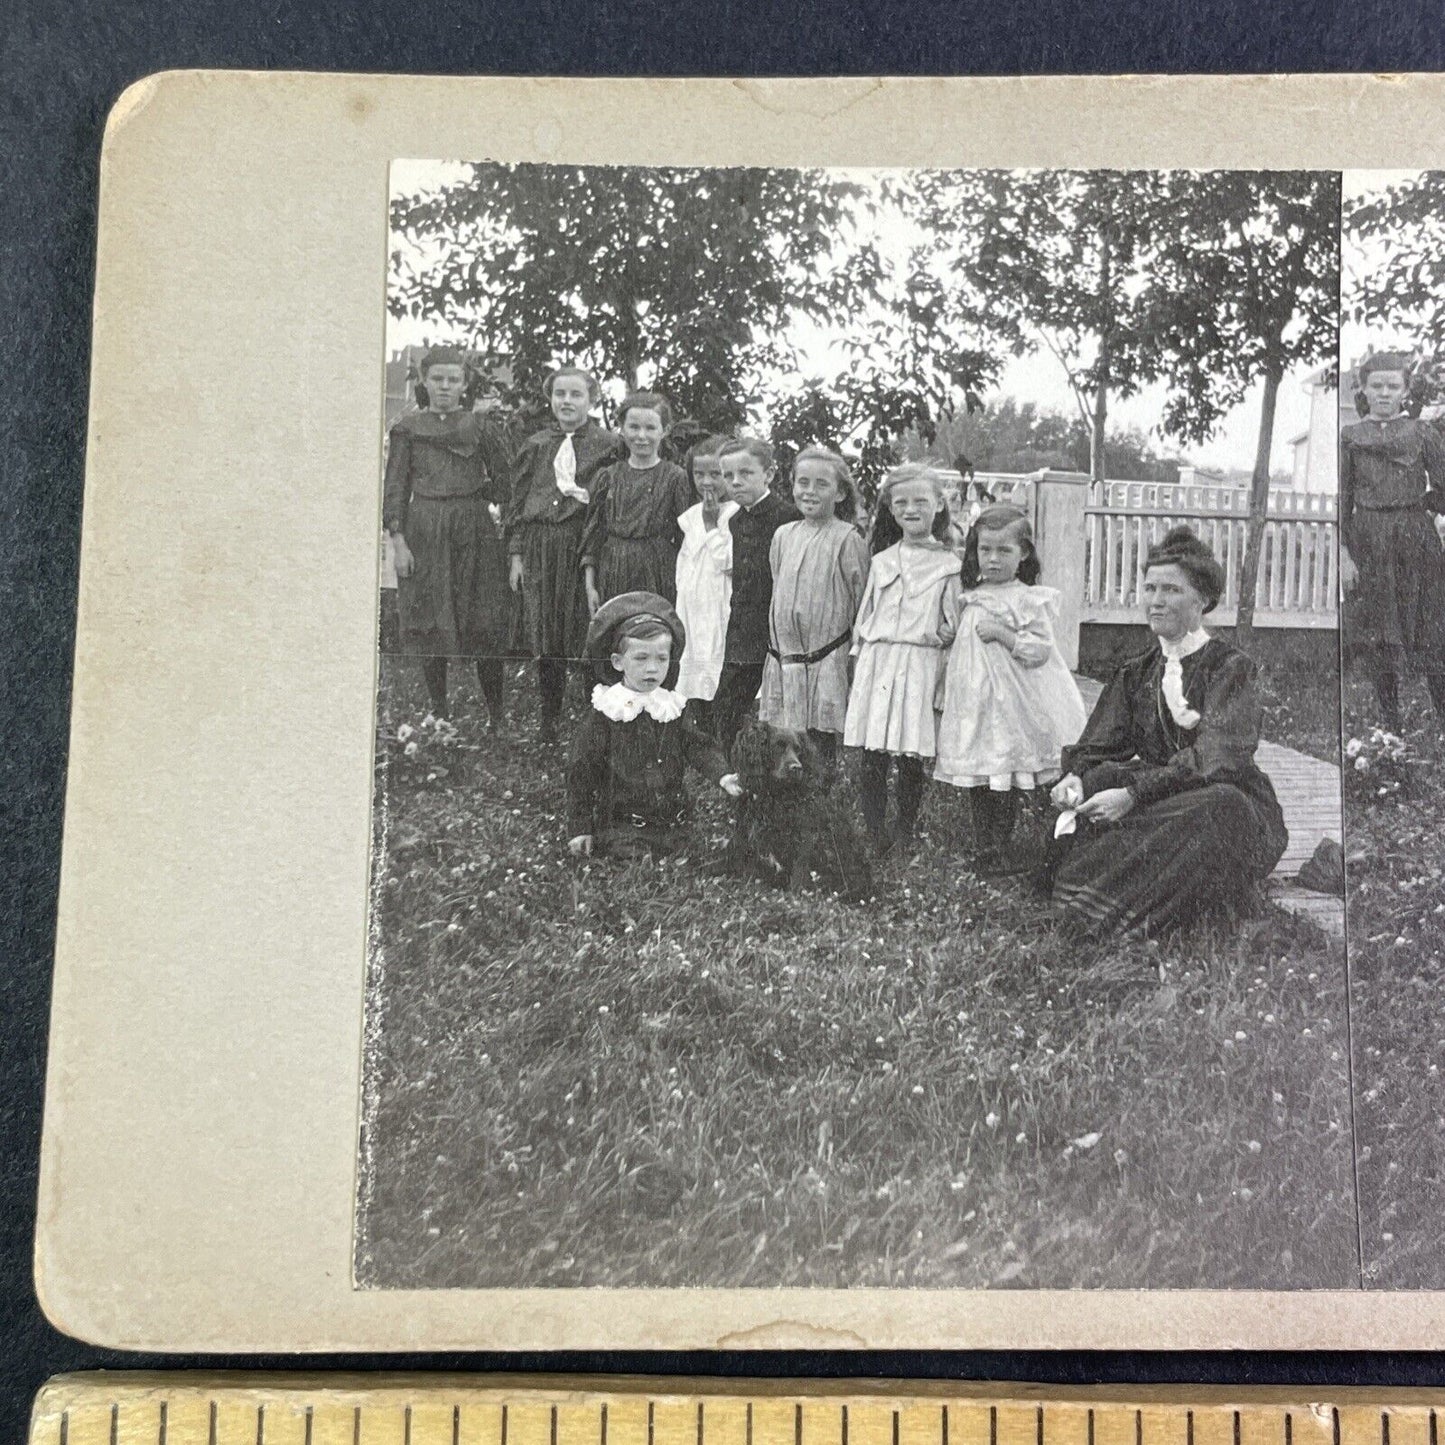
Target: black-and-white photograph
x,y
1392,499
858,750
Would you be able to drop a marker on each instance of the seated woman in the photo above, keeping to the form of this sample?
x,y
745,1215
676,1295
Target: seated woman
x,y
1173,818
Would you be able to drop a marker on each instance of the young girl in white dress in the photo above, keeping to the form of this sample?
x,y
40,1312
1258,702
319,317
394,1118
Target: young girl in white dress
x,y
704,578
1010,703
905,622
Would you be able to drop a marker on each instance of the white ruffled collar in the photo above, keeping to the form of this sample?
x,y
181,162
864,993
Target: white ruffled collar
x,y
621,704
1187,645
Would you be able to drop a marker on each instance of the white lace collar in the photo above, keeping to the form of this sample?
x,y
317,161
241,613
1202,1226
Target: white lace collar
x,y
621,704
1187,645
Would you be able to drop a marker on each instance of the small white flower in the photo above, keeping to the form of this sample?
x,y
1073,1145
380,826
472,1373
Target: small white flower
x,y
404,732
1255,1146
991,1119
410,749
918,1091
1086,1141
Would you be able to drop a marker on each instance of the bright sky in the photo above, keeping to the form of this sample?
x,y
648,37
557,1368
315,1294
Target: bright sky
x,y
1038,378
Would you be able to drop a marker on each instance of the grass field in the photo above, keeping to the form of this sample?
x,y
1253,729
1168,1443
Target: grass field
x,y
1395,848
656,1076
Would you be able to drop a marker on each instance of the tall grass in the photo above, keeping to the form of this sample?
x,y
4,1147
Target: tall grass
x,y
649,1075
1395,921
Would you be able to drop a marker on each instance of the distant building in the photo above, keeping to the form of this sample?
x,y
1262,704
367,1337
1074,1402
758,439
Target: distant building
x,y
1316,460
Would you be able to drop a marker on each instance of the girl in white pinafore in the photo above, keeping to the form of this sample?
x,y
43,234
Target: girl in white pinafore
x,y
1010,703
905,622
704,577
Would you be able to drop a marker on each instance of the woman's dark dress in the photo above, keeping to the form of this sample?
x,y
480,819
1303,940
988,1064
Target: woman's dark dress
x,y
1392,477
544,529
442,472
625,785
1205,829
632,535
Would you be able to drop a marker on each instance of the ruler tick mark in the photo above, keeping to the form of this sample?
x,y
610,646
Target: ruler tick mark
x,y
161,1433
943,1436
1236,1427
260,1425
504,1426
1335,1427
699,1422
1138,1427
895,1427
992,1426
355,1427
749,1413
1189,1427
601,1427
1038,1425
211,1428
65,1426
843,1425
1434,1438
649,1425
1384,1427
1288,1428
457,1423
310,1411
552,1426
406,1426
797,1425
1091,1426
114,1421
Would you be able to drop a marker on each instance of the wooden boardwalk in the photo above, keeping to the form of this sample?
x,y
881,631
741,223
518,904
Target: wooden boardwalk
x,y
1309,796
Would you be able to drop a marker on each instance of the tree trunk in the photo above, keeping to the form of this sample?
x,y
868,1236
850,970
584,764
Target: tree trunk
x,y
1096,438
1258,511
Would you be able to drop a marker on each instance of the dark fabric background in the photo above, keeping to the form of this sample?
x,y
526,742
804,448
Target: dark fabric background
x,y
60,68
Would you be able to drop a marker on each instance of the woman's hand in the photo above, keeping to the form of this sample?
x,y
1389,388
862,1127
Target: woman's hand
x,y
580,846
1108,806
1067,792
594,597
515,572
731,784
990,629
401,558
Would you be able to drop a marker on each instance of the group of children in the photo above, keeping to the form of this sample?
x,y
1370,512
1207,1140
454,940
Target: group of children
x,y
698,592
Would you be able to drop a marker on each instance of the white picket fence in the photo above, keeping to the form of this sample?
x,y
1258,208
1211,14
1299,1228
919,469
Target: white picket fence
x,y
1298,584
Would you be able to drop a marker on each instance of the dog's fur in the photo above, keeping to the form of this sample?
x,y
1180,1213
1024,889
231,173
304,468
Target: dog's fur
x,y
791,829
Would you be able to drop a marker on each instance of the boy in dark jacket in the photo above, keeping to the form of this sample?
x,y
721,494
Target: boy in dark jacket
x,y
748,468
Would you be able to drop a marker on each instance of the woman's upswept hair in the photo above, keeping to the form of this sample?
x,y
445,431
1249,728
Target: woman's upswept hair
x,y
846,507
1001,517
885,530
647,401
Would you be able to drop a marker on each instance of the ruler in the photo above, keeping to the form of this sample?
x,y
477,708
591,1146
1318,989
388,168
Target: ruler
x,y
199,1409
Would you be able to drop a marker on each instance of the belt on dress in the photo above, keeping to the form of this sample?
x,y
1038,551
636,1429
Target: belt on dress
x,y
811,657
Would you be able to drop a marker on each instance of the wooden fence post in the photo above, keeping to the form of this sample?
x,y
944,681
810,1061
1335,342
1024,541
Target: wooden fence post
x,y
1061,536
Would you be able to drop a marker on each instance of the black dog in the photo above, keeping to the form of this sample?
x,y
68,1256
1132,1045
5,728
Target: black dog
x,y
791,830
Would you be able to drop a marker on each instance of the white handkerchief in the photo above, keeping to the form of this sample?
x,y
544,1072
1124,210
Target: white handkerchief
x,y
1067,822
564,469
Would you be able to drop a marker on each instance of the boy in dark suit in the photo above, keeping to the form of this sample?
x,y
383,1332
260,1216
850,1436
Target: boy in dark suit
x,y
748,468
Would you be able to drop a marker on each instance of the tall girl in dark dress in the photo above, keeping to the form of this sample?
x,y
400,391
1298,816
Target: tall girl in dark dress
x,y
1392,479
551,491
444,468
1172,817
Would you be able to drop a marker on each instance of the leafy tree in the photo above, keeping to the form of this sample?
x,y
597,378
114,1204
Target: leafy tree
x,y
1404,287
1247,287
910,362
1054,260
685,279
1013,436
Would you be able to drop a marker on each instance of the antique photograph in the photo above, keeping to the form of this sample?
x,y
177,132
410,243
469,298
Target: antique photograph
x,y
858,752
1392,499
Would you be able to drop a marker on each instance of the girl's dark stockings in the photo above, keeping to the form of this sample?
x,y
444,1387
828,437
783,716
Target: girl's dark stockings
x,y
489,679
875,794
